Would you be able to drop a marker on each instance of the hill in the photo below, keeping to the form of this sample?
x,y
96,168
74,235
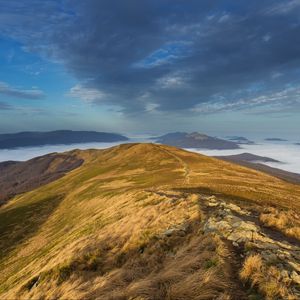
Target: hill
x,y
240,140
19,177
66,137
195,140
275,140
248,157
257,162
144,221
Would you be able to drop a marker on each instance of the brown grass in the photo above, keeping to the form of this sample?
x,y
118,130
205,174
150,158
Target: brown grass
x,y
105,239
267,279
286,221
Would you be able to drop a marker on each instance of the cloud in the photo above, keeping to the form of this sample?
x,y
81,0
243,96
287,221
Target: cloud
x,y
5,106
286,100
179,53
14,92
86,94
284,8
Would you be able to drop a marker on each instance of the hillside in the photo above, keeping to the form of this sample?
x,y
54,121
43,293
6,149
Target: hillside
x,y
65,137
19,177
195,140
144,221
248,157
257,163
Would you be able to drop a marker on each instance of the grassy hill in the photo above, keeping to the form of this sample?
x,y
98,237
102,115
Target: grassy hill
x,y
144,221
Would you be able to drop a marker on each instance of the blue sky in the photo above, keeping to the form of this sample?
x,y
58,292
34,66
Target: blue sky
x,y
151,66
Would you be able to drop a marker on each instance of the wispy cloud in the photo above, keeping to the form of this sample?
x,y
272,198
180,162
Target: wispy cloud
x,y
283,100
284,7
86,94
15,92
5,106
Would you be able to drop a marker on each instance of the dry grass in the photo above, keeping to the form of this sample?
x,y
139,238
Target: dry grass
x,y
267,279
105,238
172,268
285,221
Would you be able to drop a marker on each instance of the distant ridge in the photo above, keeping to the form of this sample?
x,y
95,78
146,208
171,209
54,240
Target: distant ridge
x,y
240,140
248,157
66,137
257,163
195,140
275,140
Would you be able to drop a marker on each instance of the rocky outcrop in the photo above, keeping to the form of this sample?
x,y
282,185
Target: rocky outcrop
x,y
242,228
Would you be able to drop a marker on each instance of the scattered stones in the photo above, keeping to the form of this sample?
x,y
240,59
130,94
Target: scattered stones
x,y
212,201
242,228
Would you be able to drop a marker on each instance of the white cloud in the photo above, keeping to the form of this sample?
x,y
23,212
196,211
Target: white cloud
x,y
284,8
86,94
16,92
171,81
282,100
224,18
151,107
266,38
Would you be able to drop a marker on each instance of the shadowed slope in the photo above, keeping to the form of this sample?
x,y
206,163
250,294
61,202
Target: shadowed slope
x,y
19,177
130,226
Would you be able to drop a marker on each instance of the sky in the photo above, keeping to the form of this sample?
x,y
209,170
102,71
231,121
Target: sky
x,y
151,66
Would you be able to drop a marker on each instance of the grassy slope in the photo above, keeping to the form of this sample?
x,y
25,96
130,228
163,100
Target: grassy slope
x,y
85,226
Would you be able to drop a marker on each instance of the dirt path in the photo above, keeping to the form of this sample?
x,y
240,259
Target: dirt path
x,y
184,165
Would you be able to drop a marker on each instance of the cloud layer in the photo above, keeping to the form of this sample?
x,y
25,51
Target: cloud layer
x,y
10,91
166,55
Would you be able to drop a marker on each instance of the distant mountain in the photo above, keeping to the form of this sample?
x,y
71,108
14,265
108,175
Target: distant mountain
x,y
240,140
66,137
195,140
275,140
248,157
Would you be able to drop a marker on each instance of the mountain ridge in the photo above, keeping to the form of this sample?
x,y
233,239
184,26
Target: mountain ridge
x,y
39,138
195,140
144,221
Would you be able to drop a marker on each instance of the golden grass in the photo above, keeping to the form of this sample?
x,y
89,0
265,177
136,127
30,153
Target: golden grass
x,y
105,238
267,279
286,221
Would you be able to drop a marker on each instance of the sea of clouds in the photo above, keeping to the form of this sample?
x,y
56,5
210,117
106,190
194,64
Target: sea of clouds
x,y
286,153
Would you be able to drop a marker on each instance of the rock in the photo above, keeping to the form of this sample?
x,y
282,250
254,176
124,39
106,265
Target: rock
x,y
169,232
235,208
214,225
212,201
181,231
284,274
212,204
295,277
211,198
235,244
294,265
